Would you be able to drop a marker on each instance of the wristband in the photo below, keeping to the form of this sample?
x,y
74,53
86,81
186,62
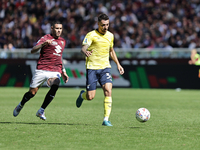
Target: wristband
x,y
63,70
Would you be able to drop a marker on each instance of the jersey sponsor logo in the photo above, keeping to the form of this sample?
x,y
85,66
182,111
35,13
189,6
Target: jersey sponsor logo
x,y
58,50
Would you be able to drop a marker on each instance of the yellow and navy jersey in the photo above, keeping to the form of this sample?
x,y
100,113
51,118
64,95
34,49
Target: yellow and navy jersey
x,y
197,58
100,44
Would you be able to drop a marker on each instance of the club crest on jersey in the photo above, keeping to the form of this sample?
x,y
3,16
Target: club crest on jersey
x,y
62,43
85,41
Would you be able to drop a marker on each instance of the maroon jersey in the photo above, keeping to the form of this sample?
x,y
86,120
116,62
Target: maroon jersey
x,y
51,55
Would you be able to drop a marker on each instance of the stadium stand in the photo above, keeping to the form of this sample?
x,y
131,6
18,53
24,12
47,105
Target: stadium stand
x,y
135,23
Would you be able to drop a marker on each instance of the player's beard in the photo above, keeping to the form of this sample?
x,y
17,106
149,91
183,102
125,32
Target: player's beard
x,y
57,35
104,31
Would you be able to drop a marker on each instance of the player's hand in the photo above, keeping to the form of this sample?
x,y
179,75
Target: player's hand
x,y
88,53
47,42
65,77
121,69
190,62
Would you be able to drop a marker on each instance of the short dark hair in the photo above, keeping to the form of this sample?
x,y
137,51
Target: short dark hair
x,y
102,17
55,22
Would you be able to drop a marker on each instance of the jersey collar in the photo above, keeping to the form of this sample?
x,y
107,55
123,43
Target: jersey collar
x,y
99,32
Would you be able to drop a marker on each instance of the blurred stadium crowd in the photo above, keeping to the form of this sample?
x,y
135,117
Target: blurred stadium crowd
x,y
135,23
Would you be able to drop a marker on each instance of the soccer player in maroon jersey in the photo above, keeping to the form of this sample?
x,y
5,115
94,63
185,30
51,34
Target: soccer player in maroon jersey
x,y
49,68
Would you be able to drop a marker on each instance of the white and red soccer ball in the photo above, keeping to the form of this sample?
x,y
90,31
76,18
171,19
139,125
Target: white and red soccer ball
x,y
142,115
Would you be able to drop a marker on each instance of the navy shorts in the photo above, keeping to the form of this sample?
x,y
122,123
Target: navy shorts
x,y
102,76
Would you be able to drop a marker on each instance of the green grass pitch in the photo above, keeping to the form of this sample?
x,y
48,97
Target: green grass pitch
x,y
174,122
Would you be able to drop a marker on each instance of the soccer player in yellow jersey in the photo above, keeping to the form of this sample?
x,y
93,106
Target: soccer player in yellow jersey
x,y
98,47
195,59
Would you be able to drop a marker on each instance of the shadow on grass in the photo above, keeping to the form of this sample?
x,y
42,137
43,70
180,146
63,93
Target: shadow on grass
x,y
49,123
33,123
134,127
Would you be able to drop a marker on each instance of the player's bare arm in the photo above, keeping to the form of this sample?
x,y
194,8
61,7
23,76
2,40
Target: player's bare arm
x,y
64,74
85,51
37,47
115,59
65,77
192,56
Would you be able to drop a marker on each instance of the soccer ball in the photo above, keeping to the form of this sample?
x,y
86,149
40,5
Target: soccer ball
x,y
142,115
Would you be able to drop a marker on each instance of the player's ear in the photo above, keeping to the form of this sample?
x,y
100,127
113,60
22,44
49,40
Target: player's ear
x,y
51,27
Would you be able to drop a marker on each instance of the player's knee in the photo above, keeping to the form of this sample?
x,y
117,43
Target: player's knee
x,y
108,92
32,92
53,81
56,81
